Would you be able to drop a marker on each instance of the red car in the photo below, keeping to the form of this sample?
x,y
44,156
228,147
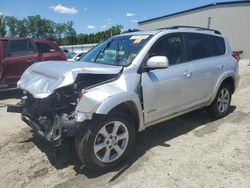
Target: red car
x,y
17,54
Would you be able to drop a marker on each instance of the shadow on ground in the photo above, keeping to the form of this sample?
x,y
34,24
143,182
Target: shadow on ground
x,y
154,136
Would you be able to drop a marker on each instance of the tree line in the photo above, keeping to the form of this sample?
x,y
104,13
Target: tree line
x,y
63,33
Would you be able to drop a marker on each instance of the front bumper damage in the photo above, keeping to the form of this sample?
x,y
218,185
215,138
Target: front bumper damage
x,y
54,127
52,95
60,129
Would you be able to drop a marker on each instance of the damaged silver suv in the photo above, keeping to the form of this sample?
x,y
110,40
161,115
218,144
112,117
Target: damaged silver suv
x,y
126,84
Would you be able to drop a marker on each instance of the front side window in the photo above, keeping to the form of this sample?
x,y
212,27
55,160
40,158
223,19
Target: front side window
x,y
171,46
198,46
118,51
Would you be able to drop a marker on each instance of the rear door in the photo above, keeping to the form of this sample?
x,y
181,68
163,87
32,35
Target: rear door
x,y
167,91
207,66
19,55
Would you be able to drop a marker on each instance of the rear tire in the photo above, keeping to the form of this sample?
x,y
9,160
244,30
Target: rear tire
x,y
221,104
105,142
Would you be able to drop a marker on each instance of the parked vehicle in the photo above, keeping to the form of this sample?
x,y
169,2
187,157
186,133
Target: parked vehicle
x,y
17,54
126,84
76,56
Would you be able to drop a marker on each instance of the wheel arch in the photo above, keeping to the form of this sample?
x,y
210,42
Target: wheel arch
x,y
228,78
129,104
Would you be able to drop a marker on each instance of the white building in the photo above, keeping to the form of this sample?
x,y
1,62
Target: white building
x,y
232,19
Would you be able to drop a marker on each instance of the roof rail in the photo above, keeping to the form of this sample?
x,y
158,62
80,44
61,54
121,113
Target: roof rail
x,y
192,27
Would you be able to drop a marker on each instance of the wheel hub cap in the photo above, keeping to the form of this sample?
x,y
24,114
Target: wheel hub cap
x,y
111,142
223,100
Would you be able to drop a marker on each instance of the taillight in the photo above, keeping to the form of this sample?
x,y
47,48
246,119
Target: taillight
x,y
236,56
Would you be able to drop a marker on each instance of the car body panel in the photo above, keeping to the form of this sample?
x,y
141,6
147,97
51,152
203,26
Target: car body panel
x,y
169,86
41,79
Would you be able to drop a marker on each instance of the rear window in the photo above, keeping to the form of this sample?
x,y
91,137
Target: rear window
x,y
44,48
198,46
218,45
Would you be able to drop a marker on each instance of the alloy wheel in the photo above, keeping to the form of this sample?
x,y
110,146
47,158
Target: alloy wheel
x,y
223,100
111,141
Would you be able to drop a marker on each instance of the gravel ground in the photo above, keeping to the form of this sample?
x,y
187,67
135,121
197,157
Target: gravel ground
x,y
190,151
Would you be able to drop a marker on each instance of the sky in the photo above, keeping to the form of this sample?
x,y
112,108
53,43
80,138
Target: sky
x,y
90,16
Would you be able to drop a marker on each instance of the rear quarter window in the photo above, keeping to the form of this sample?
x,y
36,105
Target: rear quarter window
x,y
218,44
44,48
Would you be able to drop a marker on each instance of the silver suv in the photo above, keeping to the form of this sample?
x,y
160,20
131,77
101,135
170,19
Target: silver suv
x,y
126,84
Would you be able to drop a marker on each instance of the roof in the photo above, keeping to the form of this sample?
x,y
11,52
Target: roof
x,y
197,8
24,38
147,32
13,38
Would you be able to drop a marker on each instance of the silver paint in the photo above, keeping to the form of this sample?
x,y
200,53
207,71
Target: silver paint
x,y
166,92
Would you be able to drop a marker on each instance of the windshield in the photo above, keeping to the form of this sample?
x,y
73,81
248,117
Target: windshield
x,y
118,51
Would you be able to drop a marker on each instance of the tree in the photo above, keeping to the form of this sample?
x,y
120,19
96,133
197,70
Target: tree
x,y
11,22
60,30
130,30
2,26
71,33
32,26
116,30
21,28
64,33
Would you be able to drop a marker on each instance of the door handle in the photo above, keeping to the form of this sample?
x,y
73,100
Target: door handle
x,y
220,66
187,74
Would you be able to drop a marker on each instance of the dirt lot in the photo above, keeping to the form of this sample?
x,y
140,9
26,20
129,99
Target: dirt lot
x,y
191,151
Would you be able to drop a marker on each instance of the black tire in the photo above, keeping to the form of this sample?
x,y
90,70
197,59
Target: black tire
x,y
85,140
1,72
214,108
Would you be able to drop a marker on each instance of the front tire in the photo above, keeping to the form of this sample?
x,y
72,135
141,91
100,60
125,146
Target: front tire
x,y
221,104
106,141
1,72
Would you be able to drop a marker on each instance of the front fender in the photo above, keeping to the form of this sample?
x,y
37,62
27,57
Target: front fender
x,y
120,98
225,75
100,102
115,100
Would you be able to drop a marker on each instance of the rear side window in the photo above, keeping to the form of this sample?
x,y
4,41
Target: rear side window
x,y
171,46
218,45
19,48
198,46
44,48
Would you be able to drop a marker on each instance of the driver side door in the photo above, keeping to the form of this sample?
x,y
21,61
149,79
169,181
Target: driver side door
x,y
170,90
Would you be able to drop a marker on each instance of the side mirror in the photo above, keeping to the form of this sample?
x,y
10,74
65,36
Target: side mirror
x,y
157,62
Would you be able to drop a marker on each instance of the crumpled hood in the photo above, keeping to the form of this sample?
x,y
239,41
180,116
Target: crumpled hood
x,y
42,78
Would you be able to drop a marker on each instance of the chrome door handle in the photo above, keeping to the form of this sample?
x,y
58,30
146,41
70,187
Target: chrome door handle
x,y
220,66
187,74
